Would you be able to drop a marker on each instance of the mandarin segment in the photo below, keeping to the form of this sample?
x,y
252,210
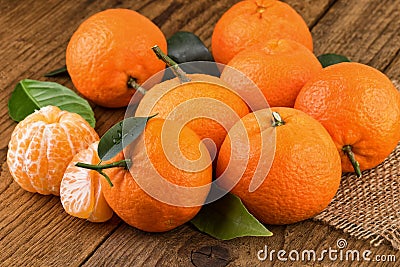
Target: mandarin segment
x,y
42,145
206,105
81,190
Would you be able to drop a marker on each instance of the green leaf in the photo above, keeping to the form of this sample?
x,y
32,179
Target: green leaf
x,y
331,59
227,218
186,47
31,95
120,135
57,72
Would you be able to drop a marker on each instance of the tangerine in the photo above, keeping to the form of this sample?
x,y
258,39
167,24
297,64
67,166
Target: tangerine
x,y
305,172
43,144
255,21
110,53
360,108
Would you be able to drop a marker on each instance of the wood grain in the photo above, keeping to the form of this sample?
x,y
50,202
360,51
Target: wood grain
x,y
34,229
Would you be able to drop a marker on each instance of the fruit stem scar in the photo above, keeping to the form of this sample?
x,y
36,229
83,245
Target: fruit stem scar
x,y
133,84
99,168
276,119
347,150
182,76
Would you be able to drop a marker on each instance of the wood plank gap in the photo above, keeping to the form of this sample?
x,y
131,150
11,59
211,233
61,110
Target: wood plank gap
x,y
315,22
87,258
391,61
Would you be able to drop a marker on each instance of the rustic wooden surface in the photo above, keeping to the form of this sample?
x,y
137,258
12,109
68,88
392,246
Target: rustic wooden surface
x,y
34,229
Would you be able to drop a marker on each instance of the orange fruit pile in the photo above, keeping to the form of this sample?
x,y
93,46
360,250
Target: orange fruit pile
x,y
346,117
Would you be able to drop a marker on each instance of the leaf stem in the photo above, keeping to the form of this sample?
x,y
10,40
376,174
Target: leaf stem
x,y
349,153
276,119
99,168
133,84
182,76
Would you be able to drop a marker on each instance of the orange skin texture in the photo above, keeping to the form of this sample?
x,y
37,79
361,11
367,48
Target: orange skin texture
x,y
252,22
107,49
304,176
279,68
43,144
164,98
133,204
359,106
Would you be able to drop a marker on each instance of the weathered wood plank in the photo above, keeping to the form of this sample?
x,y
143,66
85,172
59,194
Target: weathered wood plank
x,y
365,31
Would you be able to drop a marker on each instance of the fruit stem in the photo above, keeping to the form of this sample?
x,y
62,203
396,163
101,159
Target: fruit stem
x,y
133,84
349,153
182,76
276,119
99,168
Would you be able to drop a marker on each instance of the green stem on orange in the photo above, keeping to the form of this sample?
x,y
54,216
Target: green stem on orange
x,y
349,153
133,84
99,168
182,76
276,119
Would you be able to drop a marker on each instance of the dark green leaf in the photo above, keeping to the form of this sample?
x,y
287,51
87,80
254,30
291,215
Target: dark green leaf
x,y
186,47
227,218
30,95
331,59
120,135
59,71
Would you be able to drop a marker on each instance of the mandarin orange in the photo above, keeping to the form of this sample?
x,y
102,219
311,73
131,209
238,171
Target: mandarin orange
x,y
279,68
110,53
360,108
168,180
255,21
43,144
305,172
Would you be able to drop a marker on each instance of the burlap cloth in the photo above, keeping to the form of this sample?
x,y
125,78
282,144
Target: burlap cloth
x,y
369,207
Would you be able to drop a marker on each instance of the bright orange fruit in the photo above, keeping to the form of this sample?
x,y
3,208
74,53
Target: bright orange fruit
x,y
81,189
360,108
206,105
160,160
279,68
305,172
43,144
110,48
256,21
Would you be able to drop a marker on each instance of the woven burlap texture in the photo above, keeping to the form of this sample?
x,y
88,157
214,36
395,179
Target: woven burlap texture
x,y
369,207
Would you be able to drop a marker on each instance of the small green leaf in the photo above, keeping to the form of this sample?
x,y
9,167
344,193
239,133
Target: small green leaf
x,y
57,72
120,135
227,218
186,47
331,59
30,95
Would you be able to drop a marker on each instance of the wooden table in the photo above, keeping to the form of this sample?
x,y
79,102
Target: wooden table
x,y
35,230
